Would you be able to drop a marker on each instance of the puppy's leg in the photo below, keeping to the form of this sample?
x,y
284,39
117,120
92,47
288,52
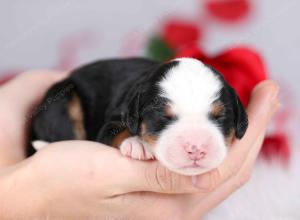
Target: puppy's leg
x,y
135,148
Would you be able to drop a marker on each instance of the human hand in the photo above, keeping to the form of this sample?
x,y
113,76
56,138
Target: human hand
x,y
78,179
18,98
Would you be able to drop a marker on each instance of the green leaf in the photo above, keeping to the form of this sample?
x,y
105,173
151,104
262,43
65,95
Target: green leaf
x,y
159,50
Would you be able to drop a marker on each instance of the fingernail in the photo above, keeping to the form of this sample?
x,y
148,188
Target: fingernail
x,y
277,105
275,99
202,182
275,93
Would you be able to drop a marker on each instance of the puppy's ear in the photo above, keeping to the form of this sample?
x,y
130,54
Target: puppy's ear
x,y
240,115
132,114
109,131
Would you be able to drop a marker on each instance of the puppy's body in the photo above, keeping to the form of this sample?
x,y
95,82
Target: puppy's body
x,y
101,87
182,111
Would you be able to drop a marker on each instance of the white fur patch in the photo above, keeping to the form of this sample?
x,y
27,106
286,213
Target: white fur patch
x,y
37,145
191,88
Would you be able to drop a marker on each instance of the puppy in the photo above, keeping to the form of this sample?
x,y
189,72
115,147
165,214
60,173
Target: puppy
x,y
181,112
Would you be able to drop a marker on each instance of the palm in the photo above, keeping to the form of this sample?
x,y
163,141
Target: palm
x,y
17,100
100,175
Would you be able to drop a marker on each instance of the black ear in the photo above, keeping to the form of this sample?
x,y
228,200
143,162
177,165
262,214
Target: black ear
x,y
132,114
240,115
109,131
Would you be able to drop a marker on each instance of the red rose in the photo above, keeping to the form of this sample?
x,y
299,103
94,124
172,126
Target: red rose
x,y
178,33
228,10
276,145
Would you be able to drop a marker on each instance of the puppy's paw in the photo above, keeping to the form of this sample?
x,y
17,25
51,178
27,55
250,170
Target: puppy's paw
x,y
38,144
135,148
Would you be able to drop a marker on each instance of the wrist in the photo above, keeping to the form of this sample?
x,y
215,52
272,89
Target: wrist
x,y
20,193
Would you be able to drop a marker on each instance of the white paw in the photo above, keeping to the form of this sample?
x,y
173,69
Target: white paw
x,y
135,148
37,145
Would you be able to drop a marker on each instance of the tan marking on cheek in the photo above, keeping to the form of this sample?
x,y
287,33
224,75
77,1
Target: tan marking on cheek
x,y
168,111
77,118
146,137
116,142
217,108
150,139
230,138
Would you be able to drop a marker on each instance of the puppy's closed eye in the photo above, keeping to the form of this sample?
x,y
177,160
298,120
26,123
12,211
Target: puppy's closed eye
x,y
217,111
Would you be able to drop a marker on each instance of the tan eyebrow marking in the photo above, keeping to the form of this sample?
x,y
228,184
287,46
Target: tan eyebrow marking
x,y
168,111
77,117
217,108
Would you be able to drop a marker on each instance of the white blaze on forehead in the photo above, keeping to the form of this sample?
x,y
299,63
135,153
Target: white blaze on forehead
x,y
191,86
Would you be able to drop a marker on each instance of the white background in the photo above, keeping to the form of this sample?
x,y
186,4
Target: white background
x,y
33,31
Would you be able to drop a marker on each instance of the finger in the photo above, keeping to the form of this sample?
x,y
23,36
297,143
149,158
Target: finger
x,y
114,172
214,198
27,89
263,103
151,176
17,98
232,184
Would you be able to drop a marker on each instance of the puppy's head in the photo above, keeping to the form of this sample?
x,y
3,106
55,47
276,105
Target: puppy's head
x,y
187,115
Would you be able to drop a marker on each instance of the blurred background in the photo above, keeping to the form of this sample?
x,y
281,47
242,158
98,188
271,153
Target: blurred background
x,y
63,34
39,34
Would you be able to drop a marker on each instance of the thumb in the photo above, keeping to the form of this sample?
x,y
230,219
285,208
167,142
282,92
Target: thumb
x,y
152,176
17,98
28,88
112,173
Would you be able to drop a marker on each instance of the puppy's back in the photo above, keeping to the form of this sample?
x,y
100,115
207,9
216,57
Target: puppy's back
x,y
76,107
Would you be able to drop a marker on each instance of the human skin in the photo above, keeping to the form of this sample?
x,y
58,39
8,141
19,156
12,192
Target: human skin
x,y
88,180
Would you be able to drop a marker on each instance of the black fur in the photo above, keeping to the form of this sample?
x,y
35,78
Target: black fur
x,y
234,114
146,105
110,93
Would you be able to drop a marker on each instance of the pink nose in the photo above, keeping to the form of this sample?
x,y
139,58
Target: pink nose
x,y
195,152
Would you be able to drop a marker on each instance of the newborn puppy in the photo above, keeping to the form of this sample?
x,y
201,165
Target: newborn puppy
x,y
181,112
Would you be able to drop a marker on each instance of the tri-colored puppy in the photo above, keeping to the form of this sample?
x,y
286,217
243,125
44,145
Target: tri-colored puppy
x,y
181,112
